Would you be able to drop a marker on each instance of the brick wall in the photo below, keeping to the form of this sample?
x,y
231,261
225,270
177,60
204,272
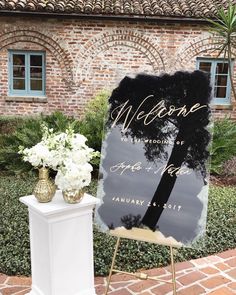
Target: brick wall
x,y
84,57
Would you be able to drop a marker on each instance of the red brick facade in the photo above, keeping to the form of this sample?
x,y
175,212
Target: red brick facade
x,y
84,57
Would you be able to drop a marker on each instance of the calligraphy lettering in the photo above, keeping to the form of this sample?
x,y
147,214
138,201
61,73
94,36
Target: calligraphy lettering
x,y
158,111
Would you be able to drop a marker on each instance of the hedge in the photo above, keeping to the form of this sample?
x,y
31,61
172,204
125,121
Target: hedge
x,y
26,131
133,255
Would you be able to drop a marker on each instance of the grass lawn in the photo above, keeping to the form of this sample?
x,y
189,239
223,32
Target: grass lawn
x,y
14,238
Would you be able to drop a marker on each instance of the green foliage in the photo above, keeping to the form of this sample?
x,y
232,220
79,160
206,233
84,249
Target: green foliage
x,y
92,189
225,28
14,229
14,233
60,122
14,226
92,124
229,167
225,23
221,230
27,132
8,124
224,144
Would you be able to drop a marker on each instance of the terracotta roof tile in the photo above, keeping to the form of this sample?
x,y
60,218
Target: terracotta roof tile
x,y
142,8
147,9
108,6
30,6
137,7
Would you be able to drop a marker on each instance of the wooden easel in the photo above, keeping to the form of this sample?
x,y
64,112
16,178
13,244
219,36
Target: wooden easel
x,y
142,276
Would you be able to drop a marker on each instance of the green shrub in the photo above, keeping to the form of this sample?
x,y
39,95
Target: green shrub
x,y
224,144
229,167
60,122
14,239
27,132
14,226
14,229
8,124
91,125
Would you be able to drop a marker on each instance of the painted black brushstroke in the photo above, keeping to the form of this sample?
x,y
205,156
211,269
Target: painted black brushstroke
x,y
180,89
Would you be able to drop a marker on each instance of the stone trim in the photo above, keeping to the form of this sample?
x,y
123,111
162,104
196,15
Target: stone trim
x,y
200,46
26,99
222,107
29,35
105,41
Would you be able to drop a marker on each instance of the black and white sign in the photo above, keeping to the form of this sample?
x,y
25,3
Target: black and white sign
x,y
153,175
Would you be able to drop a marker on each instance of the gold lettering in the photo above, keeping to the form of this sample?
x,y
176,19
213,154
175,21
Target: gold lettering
x,y
196,107
129,109
122,167
172,170
158,108
158,111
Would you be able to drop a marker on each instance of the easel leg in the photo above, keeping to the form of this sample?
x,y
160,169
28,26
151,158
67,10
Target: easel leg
x,y
112,265
173,270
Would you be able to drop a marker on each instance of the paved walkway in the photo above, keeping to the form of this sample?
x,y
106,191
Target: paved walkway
x,y
215,275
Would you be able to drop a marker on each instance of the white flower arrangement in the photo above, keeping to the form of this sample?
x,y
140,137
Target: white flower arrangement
x,y
66,153
73,176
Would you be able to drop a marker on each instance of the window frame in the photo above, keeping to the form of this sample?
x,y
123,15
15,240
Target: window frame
x,y
224,100
27,91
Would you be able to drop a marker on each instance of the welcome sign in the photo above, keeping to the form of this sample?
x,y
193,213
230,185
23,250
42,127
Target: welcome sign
x,y
153,174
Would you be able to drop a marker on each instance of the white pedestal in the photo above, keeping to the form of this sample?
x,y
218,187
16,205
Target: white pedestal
x,y
61,241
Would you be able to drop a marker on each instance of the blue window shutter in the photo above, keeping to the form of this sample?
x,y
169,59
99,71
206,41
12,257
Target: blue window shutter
x,y
10,72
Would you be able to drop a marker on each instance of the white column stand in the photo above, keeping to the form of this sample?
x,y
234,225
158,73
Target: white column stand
x,y
61,241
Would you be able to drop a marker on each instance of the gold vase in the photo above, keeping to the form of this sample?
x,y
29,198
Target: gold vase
x,y
73,196
44,189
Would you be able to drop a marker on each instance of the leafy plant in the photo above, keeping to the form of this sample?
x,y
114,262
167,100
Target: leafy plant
x,y
229,167
224,144
14,228
91,125
27,132
8,124
225,27
60,122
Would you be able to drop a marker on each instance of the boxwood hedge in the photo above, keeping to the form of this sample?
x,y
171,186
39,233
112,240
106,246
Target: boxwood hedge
x,y
133,255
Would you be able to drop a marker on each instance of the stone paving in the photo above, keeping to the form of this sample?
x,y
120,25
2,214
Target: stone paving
x,y
215,275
